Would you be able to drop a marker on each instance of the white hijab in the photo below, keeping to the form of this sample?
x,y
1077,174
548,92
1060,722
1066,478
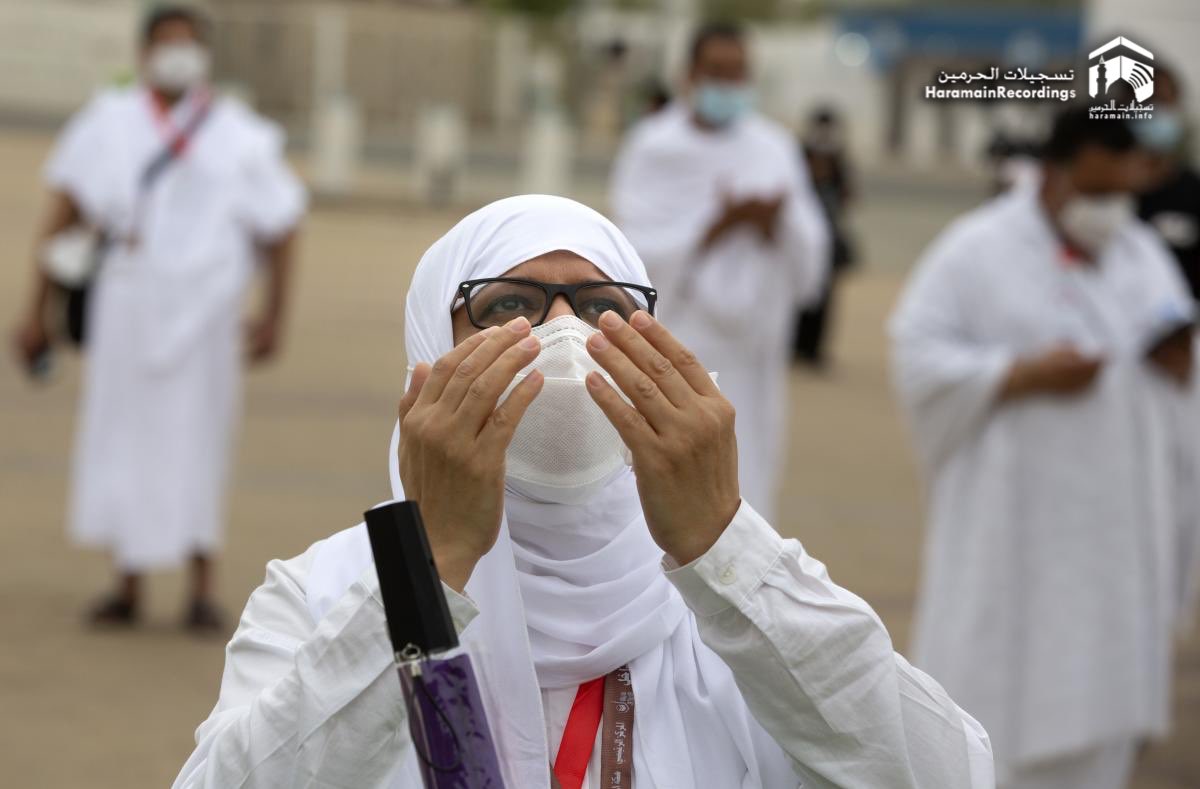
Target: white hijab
x,y
569,592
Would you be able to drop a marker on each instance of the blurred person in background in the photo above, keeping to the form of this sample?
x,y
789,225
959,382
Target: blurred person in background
x,y
1013,163
1171,203
824,147
718,203
191,193
1027,348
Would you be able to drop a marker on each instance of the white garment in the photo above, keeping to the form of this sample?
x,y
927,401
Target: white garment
x,y
734,304
160,394
318,703
1179,420
1049,583
749,666
1189,509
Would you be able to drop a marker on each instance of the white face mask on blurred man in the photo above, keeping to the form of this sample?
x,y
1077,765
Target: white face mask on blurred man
x,y
720,103
1091,170
1090,222
718,83
178,66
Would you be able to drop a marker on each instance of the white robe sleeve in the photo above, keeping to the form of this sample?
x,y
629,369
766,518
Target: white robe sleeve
x,y
304,704
1165,302
817,670
275,199
948,381
79,165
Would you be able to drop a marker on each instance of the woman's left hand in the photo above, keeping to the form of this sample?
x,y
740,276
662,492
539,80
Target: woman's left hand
x,y
679,429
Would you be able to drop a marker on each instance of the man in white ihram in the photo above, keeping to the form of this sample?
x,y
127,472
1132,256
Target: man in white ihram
x,y
717,201
190,190
749,666
1038,348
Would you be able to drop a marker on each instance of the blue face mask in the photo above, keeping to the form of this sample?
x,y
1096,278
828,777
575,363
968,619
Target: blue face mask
x,y
1160,133
721,103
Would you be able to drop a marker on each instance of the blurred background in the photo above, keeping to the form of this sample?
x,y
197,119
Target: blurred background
x,y
402,116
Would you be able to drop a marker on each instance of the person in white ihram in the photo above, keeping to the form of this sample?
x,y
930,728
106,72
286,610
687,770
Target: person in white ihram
x,y
750,667
160,389
718,202
1042,350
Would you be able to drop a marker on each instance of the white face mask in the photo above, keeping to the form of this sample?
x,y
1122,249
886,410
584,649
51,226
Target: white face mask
x,y
565,450
178,66
721,103
1090,223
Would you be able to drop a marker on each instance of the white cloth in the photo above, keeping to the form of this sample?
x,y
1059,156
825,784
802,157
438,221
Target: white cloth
x,y
1187,434
1048,591
734,304
318,703
160,394
749,666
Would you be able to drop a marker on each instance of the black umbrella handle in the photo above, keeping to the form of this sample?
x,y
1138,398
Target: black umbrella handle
x,y
418,618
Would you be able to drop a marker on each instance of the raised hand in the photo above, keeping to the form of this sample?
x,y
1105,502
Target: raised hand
x,y
1173,356
763,215
1062,370
679,430
453,439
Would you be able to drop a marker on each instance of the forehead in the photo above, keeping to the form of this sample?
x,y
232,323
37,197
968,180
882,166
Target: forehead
x,y
721,50
559,266
169,30
1098,169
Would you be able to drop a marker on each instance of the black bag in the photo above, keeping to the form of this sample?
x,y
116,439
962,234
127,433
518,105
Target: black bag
x,y
74,312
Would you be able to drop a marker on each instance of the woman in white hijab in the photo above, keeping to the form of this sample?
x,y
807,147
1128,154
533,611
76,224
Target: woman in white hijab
x,y
749,666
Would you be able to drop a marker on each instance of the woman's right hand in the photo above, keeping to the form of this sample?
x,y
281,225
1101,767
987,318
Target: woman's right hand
x,y
453,439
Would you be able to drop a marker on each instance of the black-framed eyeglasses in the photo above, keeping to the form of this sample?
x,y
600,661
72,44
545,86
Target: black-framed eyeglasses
x,y
496,301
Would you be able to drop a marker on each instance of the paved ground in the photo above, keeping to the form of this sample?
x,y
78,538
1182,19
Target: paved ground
x,y
118,710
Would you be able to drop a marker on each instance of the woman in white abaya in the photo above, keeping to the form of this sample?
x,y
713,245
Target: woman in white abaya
x,y
750,667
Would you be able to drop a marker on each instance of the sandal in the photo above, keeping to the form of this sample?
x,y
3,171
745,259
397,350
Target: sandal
x,y
113,611
204,618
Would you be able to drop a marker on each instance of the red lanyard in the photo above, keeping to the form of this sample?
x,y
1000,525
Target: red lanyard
x,y
177,138
579,736
608,699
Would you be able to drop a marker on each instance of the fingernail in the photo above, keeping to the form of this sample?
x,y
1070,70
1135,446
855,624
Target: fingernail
x,y
593,380
610,320
518,325
640,320
598,341
529,343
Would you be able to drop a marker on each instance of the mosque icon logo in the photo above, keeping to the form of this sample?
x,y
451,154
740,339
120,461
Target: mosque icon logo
x,y
1121,59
